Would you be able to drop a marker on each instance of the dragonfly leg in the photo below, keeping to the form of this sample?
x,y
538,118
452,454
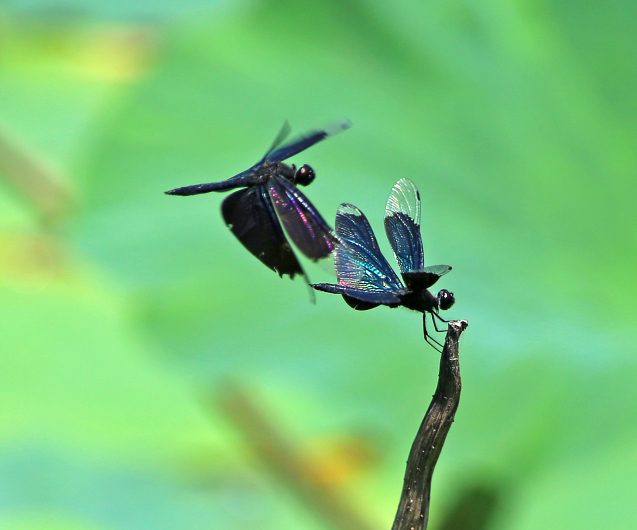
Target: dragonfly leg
x,y
428,338
436,315
433,319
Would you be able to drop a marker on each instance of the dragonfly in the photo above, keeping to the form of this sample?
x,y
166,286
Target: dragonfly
x,y
366,279
270,201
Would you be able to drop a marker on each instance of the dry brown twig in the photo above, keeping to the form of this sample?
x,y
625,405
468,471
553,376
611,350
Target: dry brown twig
x,y
413,509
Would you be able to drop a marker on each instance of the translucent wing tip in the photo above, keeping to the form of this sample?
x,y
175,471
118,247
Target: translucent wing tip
x,y
349,209
337,127
406,182
406,188
440,270
404,197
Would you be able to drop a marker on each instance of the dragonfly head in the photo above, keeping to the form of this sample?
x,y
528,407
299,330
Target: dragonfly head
x,y
445,299
304,175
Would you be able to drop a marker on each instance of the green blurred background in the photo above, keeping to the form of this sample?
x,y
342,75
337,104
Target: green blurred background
x,y
153,374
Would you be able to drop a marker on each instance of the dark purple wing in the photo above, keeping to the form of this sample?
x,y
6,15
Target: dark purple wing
x,y
402,225
251,217
359,263
303,223
301,143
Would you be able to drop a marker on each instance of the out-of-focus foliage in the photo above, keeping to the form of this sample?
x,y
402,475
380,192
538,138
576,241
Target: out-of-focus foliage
x,y
126,315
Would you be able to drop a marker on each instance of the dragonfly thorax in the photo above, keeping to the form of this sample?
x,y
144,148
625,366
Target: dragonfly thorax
x,y
273,169
424,300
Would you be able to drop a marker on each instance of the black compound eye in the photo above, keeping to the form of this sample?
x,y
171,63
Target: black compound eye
x,y
445,299
304,175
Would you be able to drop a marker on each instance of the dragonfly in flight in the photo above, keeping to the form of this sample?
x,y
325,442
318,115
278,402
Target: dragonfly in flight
x,y
270,201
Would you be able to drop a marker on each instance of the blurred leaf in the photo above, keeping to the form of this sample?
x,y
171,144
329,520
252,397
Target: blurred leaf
x,y
517,123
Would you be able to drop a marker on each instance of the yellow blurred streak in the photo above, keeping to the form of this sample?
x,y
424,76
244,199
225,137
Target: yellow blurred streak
x,y
35,179
270,441
112,53
32,259
106,52
340,459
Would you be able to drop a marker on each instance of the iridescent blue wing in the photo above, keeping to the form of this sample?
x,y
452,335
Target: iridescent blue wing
x,y
402,225
252,219
360,265
301,143
303,223
375,298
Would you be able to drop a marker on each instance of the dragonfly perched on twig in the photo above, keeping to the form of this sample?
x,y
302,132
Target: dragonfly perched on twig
x,y
365,278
